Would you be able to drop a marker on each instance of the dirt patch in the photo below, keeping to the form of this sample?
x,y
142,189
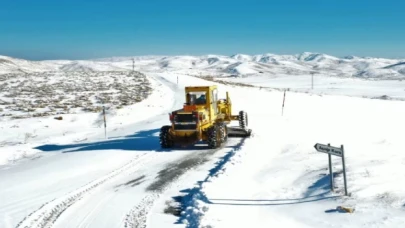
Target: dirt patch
x,y
133,183
36,157
174,207
383,97
176,169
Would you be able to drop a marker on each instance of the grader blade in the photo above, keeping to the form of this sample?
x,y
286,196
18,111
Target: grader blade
x,y
238,132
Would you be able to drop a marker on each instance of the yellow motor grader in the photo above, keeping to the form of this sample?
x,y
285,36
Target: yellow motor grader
x,y
203,118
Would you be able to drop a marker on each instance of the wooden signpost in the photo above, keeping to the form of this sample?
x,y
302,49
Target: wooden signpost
x,y
337,151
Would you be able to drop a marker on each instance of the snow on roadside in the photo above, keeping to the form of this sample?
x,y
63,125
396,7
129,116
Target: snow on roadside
x,y
25,134
195,203
283,181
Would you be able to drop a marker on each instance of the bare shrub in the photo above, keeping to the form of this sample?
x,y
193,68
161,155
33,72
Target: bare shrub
x,y
86,91
27,136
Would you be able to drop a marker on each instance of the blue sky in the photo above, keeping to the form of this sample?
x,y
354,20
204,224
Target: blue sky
x,y
78,29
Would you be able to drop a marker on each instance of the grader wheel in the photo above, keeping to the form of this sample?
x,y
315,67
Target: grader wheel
x,y
217,134
223,131
243,119
164,137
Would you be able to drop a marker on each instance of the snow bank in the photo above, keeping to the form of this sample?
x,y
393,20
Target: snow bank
x,y
195,203
283,181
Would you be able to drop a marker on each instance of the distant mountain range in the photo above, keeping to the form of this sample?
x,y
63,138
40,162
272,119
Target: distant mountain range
x,y
235,65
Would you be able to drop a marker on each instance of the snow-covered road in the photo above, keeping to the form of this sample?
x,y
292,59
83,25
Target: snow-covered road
x,y
96,183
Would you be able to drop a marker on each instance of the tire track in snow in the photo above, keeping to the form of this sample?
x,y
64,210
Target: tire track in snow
x,y
87,219
137,217
49,212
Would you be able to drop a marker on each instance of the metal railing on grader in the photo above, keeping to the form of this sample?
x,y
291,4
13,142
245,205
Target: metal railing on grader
x,y
203,118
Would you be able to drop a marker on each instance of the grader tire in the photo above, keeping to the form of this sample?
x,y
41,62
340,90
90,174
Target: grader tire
x,y
214,140
243,119
223,132
164,137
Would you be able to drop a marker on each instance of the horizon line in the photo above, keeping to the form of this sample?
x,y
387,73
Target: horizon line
x,y
197,55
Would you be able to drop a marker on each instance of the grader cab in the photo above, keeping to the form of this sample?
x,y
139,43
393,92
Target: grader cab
x,y
203,118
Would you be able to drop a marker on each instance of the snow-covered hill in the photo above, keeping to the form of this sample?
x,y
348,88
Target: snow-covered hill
x,y
236,65
90,66
268,64
274,65
13,65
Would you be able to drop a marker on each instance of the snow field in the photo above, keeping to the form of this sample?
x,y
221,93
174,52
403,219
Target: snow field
x,y
279,168
327,85
72,165
25,134
119,200
275,178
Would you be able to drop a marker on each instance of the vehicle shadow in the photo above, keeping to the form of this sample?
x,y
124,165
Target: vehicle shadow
x,y
147,140
317,191
271,202
140,141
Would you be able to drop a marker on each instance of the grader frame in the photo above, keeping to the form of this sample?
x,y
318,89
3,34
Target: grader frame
x,y
203,118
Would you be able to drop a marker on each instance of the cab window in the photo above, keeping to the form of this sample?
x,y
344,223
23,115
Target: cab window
x,y
196,98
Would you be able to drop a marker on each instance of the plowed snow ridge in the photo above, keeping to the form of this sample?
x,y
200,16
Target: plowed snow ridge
x,y
138,216
48,213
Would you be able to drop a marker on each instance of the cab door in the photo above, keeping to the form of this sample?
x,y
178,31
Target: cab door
x,y
214,95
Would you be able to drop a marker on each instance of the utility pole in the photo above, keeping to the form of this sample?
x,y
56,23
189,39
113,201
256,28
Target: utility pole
x,y
105,124
282,108
312,80
133,64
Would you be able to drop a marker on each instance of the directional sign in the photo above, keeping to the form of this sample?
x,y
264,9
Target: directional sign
x,y
329,149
